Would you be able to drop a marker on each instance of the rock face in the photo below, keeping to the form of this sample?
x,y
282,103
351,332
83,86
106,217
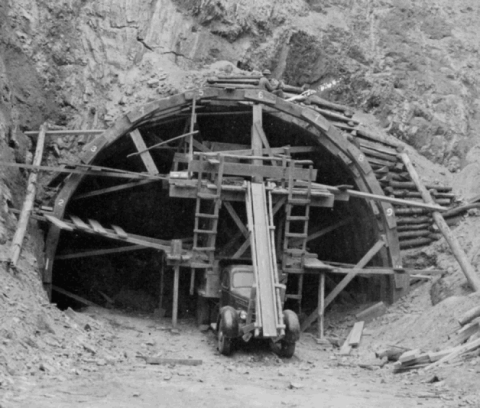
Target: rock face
x,y
413,64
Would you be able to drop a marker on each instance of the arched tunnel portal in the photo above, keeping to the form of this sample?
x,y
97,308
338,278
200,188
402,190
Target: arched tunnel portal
x,y
90,265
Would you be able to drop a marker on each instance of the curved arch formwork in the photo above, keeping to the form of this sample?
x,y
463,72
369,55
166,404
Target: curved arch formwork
x,y
322,132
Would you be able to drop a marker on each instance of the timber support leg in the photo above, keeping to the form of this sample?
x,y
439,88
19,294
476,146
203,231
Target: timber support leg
x,y
321,305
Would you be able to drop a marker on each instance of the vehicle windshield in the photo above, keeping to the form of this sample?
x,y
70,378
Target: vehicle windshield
x,y
242,279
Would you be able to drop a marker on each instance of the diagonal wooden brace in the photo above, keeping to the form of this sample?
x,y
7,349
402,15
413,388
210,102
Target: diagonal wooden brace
x,y
344,282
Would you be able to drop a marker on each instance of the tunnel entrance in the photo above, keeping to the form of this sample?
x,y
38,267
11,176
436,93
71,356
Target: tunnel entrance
x,y
119,274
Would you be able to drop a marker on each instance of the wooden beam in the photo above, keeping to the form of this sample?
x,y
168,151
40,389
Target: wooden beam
x,y
249,170
344,282
155,146
99,252
27,208
73,296
377,197
326,230
321,304
467,268
65,132
97,227
143,151
132,238
356,334
241,226
114,188
176,251
94,173
59,223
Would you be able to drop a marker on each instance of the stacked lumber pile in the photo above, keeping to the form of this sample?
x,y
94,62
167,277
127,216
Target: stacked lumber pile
x,y
465,342
415,225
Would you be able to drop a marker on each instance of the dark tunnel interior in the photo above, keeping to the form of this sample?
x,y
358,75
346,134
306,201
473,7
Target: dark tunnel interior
x,y
131,279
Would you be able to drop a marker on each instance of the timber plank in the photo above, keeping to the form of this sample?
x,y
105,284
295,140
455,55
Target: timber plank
x,y
120,232
144,153
99,252
59,223
346,347
97,227
132,238
79,223
115,188
356,334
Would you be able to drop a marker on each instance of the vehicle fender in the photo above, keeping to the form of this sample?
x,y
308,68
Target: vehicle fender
x,y
229,320
292,329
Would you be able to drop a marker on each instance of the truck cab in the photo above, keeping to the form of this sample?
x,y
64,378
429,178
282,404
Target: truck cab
x,y
238,318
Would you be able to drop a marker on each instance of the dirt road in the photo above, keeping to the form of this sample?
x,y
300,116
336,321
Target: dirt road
x,y
252,377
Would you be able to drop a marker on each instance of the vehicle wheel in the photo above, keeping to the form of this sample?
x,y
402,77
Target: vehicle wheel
x,y
227,330
224,342
287,350
203,311
286,347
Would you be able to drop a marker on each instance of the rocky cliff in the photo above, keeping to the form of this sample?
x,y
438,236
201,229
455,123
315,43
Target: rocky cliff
x,y
413,64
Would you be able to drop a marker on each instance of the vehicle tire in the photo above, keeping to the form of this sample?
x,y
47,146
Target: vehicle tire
x,y
286,347
292,326
203,311
287,350
224,343
227,330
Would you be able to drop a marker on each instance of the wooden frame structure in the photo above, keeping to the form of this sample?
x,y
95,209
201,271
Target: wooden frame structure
x,y
323,133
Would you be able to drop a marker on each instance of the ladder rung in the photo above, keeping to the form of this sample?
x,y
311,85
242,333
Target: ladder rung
x,y
298,218
202,215
297,297
204,249
295,235
206,196
299,201
200,231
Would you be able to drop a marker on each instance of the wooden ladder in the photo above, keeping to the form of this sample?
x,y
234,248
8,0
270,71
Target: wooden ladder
x,y
296,231
207,211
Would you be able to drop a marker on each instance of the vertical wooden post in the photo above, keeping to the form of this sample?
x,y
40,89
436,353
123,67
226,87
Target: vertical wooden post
x,y
321,304
175,295
192,281
177,256
27,208
193,120
162,283
467,268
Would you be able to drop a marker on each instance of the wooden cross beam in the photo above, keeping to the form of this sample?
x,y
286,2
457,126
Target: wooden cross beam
x,y
321,232
143,151
241,226
100,252
115,188
344,282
